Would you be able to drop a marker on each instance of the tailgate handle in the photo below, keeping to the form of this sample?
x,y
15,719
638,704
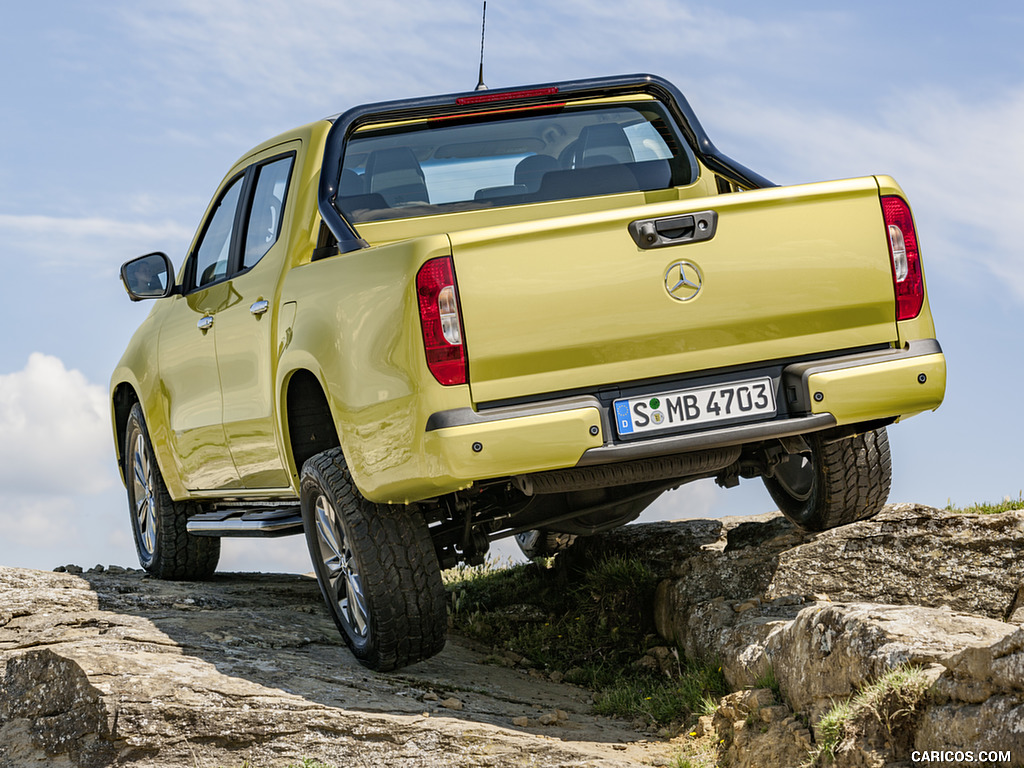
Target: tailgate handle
x,y
674,230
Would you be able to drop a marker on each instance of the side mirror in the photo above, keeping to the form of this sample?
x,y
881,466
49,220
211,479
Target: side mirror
x,y
148,277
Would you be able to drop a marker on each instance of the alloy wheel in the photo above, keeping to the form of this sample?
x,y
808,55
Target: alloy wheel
x,y
144,496
341,568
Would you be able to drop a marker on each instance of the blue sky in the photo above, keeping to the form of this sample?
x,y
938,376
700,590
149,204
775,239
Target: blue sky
x,y
120,118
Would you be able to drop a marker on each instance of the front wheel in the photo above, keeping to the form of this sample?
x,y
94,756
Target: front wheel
x,y
165,547
835,483
376,567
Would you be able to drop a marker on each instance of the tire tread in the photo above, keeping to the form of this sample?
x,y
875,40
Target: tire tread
x,y
178,555
853,476
398,565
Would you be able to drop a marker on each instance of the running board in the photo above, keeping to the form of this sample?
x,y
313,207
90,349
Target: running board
x,y
253,521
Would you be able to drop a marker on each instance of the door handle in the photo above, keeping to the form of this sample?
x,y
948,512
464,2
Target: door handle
x,y
205,323
674,230
259,307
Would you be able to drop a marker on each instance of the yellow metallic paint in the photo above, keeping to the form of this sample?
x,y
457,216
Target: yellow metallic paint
x,y
357,329
514,446
880,390
139,368
557,304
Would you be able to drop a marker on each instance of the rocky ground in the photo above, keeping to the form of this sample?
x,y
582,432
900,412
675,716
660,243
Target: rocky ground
x,y
115,668
824,616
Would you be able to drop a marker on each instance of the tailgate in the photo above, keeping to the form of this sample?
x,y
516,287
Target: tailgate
x,y
575,302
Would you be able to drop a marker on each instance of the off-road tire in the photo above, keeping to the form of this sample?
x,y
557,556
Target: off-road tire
x,y
376,567
165,547
538,543
837,482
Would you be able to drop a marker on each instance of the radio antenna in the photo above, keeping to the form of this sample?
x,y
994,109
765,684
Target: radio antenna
x,y
483,29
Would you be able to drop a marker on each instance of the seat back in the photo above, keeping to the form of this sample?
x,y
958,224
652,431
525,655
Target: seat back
x,y
530,171
395,175
603,145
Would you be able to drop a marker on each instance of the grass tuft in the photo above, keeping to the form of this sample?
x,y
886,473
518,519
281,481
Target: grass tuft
x,y
891,703
591,626
768,679
1008,504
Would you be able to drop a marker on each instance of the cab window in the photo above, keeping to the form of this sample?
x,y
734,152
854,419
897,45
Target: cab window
x,y
245,223
511,157
264,221
211,259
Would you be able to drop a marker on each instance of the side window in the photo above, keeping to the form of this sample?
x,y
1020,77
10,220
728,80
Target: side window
x,y
215,246
265,214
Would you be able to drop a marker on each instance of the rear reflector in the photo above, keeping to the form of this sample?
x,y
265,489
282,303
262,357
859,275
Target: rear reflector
x,y
439,318
907,277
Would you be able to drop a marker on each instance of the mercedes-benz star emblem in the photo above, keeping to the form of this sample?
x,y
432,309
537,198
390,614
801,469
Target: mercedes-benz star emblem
x,y
683,281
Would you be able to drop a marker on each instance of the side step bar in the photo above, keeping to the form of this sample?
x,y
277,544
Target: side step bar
x,y
247,521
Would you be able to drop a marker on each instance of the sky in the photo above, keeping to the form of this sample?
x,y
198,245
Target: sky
x,y
119,119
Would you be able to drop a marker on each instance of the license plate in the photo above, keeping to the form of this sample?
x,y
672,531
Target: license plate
x,y
697,405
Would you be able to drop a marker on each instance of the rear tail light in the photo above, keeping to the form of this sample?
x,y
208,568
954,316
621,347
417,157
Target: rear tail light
x,y
907,277
439,318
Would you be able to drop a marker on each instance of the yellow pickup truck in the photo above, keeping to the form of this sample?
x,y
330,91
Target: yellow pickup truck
x,y
419,326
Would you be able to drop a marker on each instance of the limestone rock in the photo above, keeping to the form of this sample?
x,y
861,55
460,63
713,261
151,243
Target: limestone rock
x,y
755,731
831,650
111,667
980,699
117,669
913,555
664,545
830,613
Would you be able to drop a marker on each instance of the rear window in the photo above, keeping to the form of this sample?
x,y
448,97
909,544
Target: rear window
x,y
511,158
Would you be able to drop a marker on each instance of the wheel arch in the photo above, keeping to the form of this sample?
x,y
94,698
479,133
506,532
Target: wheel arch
x,y
309,427
122,398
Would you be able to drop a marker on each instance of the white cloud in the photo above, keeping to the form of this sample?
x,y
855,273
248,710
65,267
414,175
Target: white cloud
x,y
56,240
287,554
582,38
956,157
55,437
260,55
44,531
60,499
212,57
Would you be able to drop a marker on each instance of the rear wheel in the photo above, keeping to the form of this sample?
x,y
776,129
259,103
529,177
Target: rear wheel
x,y
835,483
376,566
165,547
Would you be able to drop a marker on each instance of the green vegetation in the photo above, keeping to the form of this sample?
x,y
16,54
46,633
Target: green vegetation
x,y
706,757
592,626
891,703
832,732
988,508
662,700
767,679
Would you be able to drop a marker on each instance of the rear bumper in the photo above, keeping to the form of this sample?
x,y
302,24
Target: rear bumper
x,y
468,445
900,382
